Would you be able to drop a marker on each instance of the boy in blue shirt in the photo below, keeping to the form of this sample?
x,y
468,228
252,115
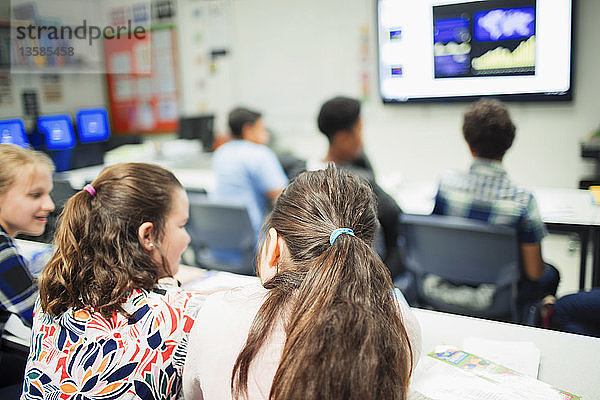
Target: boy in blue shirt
x,y
247,171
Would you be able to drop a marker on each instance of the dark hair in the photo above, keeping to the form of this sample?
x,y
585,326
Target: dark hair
x,y
99,258
240,116
344,332
488,129
337,114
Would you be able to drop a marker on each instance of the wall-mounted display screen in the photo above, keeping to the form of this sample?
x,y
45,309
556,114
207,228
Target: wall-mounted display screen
x,y
432,50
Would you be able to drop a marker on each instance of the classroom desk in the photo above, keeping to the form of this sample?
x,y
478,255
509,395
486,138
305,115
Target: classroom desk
x,y
562,210
568,361
193,173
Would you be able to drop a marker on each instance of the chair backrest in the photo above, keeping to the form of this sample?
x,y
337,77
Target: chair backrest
x,y
464,252
61,191
222,235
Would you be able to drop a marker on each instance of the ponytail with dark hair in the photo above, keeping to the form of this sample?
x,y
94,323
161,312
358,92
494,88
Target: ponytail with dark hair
x,y
344,332
99,258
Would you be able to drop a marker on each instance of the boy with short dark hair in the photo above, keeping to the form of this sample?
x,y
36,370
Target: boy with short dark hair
x,y
340,121
246,170
486,193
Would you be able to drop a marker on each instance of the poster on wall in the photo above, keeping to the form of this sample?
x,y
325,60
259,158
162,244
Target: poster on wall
x,y
141,82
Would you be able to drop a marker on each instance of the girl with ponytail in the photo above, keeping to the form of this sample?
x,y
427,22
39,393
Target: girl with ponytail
x,y
325,324
111,322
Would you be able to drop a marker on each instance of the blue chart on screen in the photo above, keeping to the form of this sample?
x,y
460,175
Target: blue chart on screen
x,y
451,30
504,24
451,64
396,34
451,37
12,131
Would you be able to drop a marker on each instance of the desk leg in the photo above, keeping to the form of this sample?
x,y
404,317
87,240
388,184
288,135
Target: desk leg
x,y
584,239
596,258
584,233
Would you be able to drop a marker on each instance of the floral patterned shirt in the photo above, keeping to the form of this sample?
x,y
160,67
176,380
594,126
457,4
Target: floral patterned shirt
x,y
82,355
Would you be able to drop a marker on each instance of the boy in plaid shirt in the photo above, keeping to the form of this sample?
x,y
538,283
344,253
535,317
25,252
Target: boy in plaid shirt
x,y
486,193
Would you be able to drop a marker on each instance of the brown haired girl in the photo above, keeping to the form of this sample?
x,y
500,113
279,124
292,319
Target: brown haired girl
x,y
112,322
325,324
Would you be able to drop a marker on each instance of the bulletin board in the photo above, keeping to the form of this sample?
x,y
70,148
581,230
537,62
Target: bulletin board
x,y
141,79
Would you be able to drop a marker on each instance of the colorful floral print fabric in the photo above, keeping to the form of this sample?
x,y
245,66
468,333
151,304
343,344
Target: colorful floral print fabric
x,y
82,355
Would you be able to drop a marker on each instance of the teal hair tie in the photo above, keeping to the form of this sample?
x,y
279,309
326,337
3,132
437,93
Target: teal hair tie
x,y
339,231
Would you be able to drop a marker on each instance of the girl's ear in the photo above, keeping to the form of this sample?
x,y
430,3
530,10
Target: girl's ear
x,y
270,255
146,235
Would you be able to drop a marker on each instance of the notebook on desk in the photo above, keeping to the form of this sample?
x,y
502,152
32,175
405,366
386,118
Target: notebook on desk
x,y
449,373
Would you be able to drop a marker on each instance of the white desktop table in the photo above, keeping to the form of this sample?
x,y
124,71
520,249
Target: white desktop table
x,y
194,174
568,361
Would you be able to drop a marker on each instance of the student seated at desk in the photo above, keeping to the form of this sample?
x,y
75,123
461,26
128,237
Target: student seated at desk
x,y
111,321
246,170
340,121
486,193
326,322
25,185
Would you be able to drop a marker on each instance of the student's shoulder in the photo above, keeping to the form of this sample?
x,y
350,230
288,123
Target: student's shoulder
x,y
240,300
5,240
163,299
452,178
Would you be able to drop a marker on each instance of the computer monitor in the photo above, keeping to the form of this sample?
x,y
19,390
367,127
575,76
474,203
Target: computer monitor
x,y
92,125
12,131
58,131
198,127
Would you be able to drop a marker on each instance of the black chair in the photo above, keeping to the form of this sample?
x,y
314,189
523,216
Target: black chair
x,y
466,254
222,236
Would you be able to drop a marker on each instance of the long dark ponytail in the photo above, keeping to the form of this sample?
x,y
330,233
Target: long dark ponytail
x,y
344,332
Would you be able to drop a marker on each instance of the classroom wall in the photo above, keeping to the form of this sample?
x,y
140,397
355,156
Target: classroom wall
x,y
290,56
67,93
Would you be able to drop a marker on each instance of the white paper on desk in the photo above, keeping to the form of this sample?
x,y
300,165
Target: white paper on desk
x,y
523,357
215,280
436,380
16,327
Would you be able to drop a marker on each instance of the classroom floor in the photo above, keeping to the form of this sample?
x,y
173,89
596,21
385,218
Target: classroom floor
x,y
562,251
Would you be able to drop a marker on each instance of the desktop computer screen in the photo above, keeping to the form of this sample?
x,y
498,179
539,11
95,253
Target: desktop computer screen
x,y
92,125
12,131
198,127
58,131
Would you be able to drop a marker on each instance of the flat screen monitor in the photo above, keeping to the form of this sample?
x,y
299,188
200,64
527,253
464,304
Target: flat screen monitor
x,y
440,50
198,127
12,131
58,131
92,125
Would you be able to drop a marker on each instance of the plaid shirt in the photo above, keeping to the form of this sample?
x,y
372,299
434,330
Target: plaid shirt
x,y
486,193
18,289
